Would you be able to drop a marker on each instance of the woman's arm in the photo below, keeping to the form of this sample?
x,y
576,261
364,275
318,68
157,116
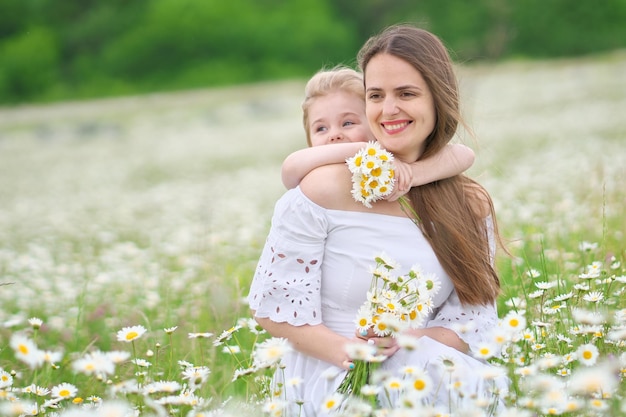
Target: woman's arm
x,y
442,335
301,162
317,341
450,161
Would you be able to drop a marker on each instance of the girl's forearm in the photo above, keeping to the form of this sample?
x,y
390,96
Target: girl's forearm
x,y
301,162
450,161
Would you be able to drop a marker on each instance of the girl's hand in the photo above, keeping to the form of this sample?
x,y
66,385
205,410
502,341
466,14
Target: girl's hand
x,y
384,345
404,179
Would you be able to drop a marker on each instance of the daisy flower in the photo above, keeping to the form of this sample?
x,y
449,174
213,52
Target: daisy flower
x,y
514,322
6,379
95,363
421,383
64,390
587,246
533,273
226,335
204,335
117,356
360,351
331,403
545,285
36,390
394,384
170,330
372,174
52,357
485,351
587,354
197,375
128,334
593,297
26,350
141,362
35,322
270,352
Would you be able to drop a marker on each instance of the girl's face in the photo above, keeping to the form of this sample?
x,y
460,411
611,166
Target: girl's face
x,y
338,117
399,106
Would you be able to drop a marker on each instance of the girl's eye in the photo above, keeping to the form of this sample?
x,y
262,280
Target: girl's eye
x,y
320,129
348,123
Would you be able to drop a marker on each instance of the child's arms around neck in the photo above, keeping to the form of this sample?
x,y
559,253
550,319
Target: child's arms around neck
x,y
452,160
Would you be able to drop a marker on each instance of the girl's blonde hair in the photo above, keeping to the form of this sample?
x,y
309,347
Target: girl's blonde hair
x,y
328,81
451,211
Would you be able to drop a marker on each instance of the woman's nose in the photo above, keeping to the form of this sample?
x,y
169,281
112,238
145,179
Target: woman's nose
x,y
390,106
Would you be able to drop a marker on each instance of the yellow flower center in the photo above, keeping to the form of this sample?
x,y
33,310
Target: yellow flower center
x,y
587,354
514,322
376,171
131,335
419,385
23,349
64,393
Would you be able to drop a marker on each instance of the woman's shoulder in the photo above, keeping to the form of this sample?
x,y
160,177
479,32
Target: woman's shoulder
x,y
329,186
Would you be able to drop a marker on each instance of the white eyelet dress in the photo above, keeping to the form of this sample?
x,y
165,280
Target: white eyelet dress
x,y
315,269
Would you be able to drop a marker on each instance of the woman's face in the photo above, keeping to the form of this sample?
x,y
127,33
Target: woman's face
x,y
399,106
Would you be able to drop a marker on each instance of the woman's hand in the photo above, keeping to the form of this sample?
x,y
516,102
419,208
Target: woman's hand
x,y
404,179
384,345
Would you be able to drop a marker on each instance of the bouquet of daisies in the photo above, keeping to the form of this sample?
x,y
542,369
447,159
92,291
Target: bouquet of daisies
x,y
372,174
394,303
373,178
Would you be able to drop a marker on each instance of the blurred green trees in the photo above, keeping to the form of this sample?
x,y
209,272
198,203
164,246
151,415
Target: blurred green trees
x,y
54,50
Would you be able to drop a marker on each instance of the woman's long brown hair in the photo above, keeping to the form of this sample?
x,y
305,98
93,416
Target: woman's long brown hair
x,y
452,212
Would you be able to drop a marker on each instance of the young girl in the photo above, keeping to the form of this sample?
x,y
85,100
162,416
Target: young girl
x,y
334,113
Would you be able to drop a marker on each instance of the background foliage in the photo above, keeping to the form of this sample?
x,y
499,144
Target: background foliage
x,y
71,49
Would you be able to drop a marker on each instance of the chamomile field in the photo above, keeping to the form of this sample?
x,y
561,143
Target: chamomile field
x,y
130,229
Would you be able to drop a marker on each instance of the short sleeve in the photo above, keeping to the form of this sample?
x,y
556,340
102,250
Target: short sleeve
x,y
474,324
287,282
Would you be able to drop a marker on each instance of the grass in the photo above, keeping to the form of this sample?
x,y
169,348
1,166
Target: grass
x,y
152,211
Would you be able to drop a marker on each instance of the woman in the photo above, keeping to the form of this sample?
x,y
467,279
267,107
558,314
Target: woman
x,y
314,272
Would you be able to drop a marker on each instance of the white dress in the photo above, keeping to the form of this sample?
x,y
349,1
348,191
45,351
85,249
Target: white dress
x,y
315,268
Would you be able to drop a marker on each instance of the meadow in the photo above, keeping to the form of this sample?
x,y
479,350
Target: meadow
x,y
130,229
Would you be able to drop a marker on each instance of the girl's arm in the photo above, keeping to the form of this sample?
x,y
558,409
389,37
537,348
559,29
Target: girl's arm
x,y
450,161
301,162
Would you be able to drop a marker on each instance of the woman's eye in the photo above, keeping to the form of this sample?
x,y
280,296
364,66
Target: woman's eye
x,y
374,96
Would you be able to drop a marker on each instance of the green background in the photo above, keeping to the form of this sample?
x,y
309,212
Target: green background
x,y
53,50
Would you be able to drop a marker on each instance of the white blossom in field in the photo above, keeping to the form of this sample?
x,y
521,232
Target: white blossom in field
x,y
64,390
26,350
587,354
270,352
128,334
